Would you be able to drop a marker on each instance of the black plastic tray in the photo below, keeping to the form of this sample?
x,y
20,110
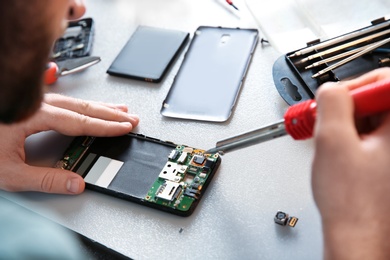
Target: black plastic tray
x,y
295,83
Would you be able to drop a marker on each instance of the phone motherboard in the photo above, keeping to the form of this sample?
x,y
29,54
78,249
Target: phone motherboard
x,y
181,180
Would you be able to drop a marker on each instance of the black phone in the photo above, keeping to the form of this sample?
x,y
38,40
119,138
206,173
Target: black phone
x,y
209,80
76,41
145,170
148,53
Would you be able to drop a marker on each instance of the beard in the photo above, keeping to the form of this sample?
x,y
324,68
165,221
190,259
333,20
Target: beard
x,y
20,100
21,84
26,44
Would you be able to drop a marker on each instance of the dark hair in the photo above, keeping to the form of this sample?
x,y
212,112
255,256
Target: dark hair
x,y
25,46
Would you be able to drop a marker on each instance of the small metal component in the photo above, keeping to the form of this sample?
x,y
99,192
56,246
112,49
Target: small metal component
x,y
281,218
292,221
284,219
198,159
195,186
74,48
169,191
384,62
62,164
192,193
192,170
173,171
173,155
88,141
209,163
182,157
188,150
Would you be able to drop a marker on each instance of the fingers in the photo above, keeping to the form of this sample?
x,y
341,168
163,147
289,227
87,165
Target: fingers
x,y
58,181
335,136
71,116
366,125
370,77
68,122
93,109
67,116
335,120
48,180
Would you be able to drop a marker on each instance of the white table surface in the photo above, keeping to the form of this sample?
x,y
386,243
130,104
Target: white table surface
x,y
235,218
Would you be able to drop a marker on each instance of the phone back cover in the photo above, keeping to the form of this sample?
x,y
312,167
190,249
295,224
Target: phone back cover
x,y
210,77
148,53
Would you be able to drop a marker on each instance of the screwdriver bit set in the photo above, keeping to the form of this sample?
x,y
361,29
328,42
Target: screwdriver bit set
x,y
298,74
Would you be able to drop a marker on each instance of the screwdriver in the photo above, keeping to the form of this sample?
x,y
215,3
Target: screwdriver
x,y
230,2
55,70
299,119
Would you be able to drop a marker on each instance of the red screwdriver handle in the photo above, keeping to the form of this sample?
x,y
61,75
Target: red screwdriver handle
x,y
370,99
51,73
299,119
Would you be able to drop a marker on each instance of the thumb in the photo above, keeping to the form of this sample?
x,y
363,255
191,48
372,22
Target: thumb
x,y
52,180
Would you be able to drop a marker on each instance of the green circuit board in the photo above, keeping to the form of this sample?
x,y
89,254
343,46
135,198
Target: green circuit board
x,y
181,180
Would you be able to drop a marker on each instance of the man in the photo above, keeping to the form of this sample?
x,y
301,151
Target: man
x,y
28,30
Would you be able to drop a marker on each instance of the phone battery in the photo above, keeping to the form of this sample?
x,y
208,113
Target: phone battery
x,y
148,53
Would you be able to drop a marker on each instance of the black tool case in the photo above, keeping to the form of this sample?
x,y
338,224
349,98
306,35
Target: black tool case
x,y
295,83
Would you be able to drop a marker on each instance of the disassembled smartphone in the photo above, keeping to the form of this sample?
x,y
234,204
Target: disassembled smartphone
x,y
145,170
76,41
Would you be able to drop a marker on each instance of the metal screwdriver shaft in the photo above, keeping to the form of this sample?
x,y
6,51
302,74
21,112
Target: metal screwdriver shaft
x,y
344,46
336,57
339,39
250,138
350,58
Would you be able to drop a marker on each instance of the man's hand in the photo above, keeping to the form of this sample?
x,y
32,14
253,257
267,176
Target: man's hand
x,y
351,174
67,116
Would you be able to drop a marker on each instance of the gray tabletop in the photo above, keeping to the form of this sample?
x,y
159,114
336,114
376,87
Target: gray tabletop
x,y
235,217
